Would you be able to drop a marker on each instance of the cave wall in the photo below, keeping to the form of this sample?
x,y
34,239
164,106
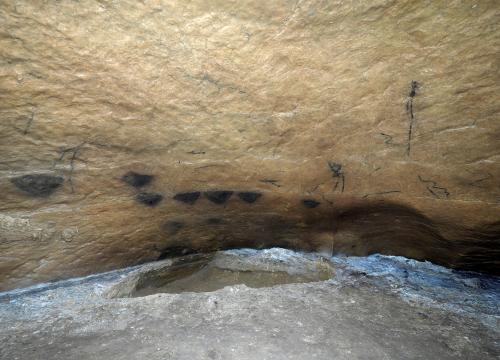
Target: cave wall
x,y
293,112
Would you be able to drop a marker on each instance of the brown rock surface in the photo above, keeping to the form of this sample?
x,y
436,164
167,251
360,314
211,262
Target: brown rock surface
x,y
350,104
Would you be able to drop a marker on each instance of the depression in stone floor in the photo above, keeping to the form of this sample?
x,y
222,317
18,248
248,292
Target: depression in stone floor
x,y
293,305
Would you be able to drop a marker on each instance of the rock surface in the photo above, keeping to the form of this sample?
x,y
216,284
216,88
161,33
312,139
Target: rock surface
x,y
373,308
333,104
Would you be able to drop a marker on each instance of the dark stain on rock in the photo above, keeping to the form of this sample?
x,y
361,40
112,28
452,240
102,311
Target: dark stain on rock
x,y
175,251
249,196
394,229
38,184
366,228
214,221
310,203
187,197
173,227
219,196
137,180
149,199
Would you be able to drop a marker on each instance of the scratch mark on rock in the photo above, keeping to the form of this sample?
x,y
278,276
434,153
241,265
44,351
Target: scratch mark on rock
x,y
477,182
28,124
219,85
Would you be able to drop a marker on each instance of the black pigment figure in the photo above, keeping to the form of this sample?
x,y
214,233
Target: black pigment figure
x,y
409,110
338,175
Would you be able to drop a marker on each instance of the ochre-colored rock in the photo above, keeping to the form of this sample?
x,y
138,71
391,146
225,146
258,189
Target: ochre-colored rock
x,y
136,130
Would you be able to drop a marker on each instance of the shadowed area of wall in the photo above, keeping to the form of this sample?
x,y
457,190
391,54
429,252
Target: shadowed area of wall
x,y
398,230
131,131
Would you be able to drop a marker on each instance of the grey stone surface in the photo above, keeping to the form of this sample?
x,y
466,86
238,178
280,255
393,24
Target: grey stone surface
x,y
377,307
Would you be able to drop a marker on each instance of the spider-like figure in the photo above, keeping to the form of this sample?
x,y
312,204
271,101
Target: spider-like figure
x,y
337,174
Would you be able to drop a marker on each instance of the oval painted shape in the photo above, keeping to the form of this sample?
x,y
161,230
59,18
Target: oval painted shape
x,y
187,197
249,196
39,185
149,199
137,180
310,203
218,196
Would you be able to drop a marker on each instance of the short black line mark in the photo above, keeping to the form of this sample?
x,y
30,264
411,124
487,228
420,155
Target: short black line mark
x,y
196,152
207,166
313,189
409,110
328,201
387,139
433,188
271,181
381,193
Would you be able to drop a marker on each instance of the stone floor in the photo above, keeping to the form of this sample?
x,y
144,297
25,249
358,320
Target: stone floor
x,y
376,307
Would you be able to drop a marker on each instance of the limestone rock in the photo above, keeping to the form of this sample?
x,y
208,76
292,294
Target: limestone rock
x,y
350,104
